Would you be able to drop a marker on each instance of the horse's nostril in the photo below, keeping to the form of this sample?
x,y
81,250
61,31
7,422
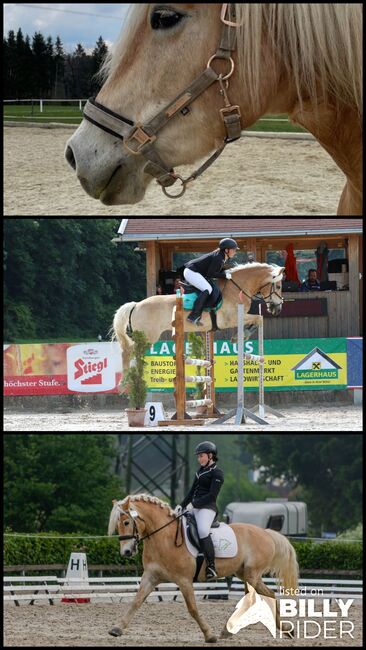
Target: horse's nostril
x,y
69,155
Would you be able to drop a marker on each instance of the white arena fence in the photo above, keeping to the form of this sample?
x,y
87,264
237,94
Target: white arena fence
x,y
19,589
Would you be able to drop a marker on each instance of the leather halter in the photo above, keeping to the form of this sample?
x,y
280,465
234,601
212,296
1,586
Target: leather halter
x,y
139,139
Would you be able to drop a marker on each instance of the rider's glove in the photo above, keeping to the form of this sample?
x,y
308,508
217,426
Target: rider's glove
x,y
178,511
228,275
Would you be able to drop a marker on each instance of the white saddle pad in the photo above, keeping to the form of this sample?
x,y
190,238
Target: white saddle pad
x,y
224,541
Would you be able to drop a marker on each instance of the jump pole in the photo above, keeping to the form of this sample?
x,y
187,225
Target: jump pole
x,y
261,407
240,412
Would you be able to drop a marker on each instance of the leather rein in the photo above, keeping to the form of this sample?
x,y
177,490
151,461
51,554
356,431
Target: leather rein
x,y
139,139
259,295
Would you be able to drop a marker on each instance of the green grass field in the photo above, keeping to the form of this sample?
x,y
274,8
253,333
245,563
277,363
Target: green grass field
x,y
70,114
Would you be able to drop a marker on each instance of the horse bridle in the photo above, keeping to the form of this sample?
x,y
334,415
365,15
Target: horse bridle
x,y
135,534
139,139
259,295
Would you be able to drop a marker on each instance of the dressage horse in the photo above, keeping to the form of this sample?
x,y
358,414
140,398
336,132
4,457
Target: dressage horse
x,y
166,558
154,315
216,70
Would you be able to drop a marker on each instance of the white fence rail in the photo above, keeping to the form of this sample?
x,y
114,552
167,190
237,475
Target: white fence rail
x,y
19,589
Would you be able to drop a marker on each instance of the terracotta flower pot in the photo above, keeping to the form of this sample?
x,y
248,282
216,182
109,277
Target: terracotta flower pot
x,y
136,417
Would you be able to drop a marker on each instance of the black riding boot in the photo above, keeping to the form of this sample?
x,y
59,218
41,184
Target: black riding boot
x,y
209,553
195,315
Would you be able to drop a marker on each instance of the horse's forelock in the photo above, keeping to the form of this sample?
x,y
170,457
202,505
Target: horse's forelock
x,y
125,42
117,511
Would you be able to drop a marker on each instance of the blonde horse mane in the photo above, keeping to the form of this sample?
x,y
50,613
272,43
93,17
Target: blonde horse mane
x,y
126,43
119,508
319,44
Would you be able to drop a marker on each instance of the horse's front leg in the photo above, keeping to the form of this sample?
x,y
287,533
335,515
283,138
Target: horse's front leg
x,y
188,594
147,585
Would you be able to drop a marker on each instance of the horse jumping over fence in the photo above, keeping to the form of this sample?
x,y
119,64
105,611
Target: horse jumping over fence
x,y
167,559
154,315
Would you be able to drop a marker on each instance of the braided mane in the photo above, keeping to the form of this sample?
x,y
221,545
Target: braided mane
x,y
150,499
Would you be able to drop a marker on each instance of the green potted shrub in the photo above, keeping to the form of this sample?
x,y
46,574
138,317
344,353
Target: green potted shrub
x,y
134,382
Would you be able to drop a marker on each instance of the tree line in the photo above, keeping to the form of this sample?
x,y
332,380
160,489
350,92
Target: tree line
x,y
38,67
64,278
65,482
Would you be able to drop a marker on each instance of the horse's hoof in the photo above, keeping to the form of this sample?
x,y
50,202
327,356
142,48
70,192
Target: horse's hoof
x,y
211,639
225,634
115,631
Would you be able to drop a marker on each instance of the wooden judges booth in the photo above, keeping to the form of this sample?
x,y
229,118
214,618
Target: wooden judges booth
x,y
329,313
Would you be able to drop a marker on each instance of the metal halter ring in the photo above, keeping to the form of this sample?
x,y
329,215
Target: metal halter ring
x,y
182,191
214,56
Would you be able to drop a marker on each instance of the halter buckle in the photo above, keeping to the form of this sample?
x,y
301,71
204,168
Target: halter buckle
x,y
139,136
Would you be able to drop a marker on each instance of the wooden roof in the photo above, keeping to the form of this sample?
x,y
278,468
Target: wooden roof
x,y
182,229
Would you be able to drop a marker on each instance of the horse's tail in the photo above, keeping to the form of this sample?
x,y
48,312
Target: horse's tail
x,y
118,330
284,564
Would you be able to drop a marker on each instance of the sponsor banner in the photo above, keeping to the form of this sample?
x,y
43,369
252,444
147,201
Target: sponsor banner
x,y
61,368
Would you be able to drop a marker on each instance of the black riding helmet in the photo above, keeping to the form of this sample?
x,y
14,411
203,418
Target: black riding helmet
x,y
206,447
228,243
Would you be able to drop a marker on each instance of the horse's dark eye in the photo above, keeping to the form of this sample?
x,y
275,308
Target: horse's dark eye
x,y
165,18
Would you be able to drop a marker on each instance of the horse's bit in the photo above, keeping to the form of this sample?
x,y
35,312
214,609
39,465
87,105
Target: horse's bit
x,y
139,139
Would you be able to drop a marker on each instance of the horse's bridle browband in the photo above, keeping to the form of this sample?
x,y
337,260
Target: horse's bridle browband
x,y
139,139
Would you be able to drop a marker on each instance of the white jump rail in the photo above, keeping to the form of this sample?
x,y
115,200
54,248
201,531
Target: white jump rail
x,y
124,587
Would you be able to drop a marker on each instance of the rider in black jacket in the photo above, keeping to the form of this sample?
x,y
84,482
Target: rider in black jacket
x,y
199,271
203,494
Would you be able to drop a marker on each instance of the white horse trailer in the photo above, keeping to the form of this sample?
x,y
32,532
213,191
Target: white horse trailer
x,y
286,517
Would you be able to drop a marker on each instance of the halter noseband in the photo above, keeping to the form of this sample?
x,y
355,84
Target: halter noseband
x,y
139,139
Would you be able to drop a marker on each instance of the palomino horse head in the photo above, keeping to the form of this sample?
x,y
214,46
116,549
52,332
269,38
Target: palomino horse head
x,y
259,281
151,117
272,291
166,100
124,521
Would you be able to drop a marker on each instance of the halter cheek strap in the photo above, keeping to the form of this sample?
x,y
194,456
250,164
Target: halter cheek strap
x,y
139,139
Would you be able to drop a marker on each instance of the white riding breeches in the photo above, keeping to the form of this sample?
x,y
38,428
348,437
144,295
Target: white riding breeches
x,y
204,519
197,280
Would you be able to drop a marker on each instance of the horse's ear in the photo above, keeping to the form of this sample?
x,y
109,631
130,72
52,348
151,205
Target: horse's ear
x,y
114,501
277,273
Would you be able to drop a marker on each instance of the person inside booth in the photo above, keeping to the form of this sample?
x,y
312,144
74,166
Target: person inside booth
x,y
312,283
